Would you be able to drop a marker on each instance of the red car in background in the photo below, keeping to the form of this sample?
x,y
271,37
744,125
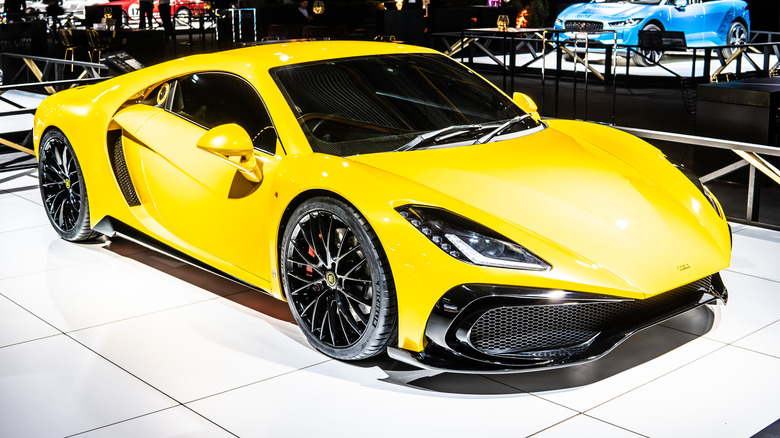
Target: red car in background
x,y
181,10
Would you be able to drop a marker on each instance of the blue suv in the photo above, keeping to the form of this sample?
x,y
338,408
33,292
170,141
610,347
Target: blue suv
x,y
704,22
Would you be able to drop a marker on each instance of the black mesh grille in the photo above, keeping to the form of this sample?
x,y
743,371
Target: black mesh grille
x,y
583,25
517,329
118,163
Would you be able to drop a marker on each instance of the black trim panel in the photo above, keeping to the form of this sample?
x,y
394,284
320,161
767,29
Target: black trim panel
x,y
448,347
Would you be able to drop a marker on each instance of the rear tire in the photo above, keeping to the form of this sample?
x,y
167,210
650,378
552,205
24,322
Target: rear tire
x,y
337,280
737,36
62,187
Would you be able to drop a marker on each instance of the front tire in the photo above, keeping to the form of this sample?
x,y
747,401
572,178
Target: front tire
x,y
337,280
62,187
647,58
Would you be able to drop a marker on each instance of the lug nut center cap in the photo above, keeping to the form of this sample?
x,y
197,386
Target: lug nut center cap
x,y
330,278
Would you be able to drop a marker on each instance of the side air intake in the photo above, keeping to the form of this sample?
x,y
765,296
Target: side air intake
x,y
117,156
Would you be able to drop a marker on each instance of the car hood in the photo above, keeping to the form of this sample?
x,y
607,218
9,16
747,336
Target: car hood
x,y
581,197
607,12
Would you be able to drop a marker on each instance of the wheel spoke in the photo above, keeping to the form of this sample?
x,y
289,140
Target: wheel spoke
x,y
311,304
357,265
331,320
355,299
357,280
361,317
348,319
307,285
305,279
323,236
347,232
308,236
314,306
350,251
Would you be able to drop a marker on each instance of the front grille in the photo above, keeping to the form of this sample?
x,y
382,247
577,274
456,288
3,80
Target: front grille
x,y
583,25
540,330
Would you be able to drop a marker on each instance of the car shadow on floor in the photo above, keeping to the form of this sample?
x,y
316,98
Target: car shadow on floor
x,y
639,349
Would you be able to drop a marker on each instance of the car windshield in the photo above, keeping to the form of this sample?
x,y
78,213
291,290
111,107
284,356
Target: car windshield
x,y
395,102
644,2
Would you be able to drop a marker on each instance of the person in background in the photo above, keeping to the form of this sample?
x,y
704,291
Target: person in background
x,y
145,10
165,16
304,17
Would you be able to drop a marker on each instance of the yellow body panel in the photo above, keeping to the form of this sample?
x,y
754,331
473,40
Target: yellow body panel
x,y
608,212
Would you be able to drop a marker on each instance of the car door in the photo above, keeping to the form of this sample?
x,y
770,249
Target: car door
x,y
687,18
196,194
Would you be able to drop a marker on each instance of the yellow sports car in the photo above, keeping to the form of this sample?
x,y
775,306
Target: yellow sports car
x,y
397,200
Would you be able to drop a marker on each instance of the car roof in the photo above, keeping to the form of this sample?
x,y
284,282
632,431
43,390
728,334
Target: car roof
x,y
286,53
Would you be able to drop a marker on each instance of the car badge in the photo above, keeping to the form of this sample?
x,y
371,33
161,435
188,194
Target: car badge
x,y
683,267
330,278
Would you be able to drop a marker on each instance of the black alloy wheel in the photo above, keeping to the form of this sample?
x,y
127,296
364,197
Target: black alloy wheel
x,y
62,188
337,280
647,58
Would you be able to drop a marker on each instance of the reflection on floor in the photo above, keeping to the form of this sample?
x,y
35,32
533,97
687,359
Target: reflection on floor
x,y
110,339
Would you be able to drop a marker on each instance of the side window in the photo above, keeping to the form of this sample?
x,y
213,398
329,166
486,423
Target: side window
x,y
213,99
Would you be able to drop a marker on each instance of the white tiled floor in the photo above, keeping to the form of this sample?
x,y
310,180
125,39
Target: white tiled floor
x,y
112,340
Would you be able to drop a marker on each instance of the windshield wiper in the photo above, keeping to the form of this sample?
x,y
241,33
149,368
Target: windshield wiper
x,y
428,138
506,125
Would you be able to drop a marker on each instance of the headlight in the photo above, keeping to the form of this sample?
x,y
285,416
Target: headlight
x,y
629,22
469,241
697,182
559,22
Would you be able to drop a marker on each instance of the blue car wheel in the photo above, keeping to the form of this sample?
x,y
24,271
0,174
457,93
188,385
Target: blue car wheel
x,y
646,58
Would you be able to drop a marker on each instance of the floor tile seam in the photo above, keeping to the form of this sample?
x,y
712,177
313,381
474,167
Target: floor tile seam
x,y
577,414
31,172
146,415
68,335
143,315
59,332
591,417
615,425
731,270
508,385
756,351
121,421
47,226
733,343
257,382
18,195
172,398
112,256
696,335
31,340
15,190
653,380
523,391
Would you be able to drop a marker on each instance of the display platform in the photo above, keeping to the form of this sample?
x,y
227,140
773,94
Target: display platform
x,y
673,63
111,339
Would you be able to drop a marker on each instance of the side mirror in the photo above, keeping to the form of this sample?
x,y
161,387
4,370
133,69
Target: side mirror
x,y
680,4
527,104
231,144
